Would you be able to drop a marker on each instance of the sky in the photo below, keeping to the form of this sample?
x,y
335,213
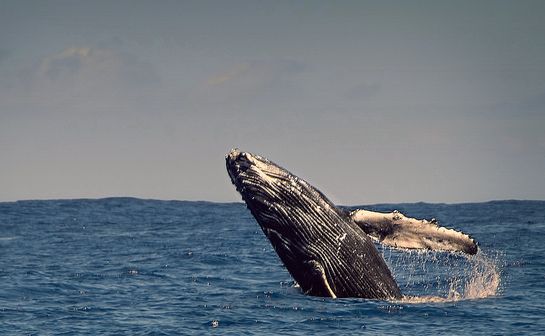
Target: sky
x,y
370,101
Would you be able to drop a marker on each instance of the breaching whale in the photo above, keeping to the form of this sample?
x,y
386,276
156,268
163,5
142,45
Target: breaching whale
x,y
329,252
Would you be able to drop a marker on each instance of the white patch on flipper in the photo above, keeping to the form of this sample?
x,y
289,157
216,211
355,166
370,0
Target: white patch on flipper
x,y
396,230
328,287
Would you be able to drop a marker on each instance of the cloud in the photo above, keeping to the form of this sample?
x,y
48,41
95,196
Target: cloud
x,y
237,71
84,64
82,82
67,62
87,76
257,79
258,72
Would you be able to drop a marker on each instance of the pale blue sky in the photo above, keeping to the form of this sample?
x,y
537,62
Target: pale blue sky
x,y
371,101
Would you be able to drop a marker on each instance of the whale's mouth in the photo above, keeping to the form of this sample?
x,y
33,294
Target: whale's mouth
x,y
242,168
250,175
233,161
252,172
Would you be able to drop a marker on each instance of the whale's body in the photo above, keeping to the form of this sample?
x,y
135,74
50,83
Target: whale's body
x,y
328,251
320,245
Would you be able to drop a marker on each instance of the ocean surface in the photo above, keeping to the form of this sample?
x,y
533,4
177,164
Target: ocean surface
x,y
124,266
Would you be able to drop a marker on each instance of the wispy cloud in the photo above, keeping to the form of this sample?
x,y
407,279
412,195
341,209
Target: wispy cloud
x,y
85,75
236,72
259,71
67,62
96,64
80,79
257,79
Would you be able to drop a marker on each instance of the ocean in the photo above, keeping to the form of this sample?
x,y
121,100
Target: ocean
x,y
125,266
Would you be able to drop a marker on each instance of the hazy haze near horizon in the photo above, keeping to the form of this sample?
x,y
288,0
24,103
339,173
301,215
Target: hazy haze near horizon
x,y
370,101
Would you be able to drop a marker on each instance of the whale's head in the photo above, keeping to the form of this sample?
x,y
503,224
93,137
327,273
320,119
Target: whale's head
x,y
269,189
283,204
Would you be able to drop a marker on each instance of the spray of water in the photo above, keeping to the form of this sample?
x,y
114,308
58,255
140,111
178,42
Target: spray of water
x,y
428,276
485,280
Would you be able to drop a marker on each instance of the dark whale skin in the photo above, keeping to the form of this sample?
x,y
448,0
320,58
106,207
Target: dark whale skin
x,y
320,245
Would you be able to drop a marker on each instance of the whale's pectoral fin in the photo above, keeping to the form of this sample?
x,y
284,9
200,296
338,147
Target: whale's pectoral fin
x,y
318,286
396,230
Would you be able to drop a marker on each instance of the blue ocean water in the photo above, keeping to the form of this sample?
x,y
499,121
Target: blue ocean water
x,y
146,267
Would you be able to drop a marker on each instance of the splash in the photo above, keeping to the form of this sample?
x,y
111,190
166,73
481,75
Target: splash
x,y
428,276
485,280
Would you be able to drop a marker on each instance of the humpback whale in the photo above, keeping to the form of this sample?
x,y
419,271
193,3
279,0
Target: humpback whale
x,y
328,251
